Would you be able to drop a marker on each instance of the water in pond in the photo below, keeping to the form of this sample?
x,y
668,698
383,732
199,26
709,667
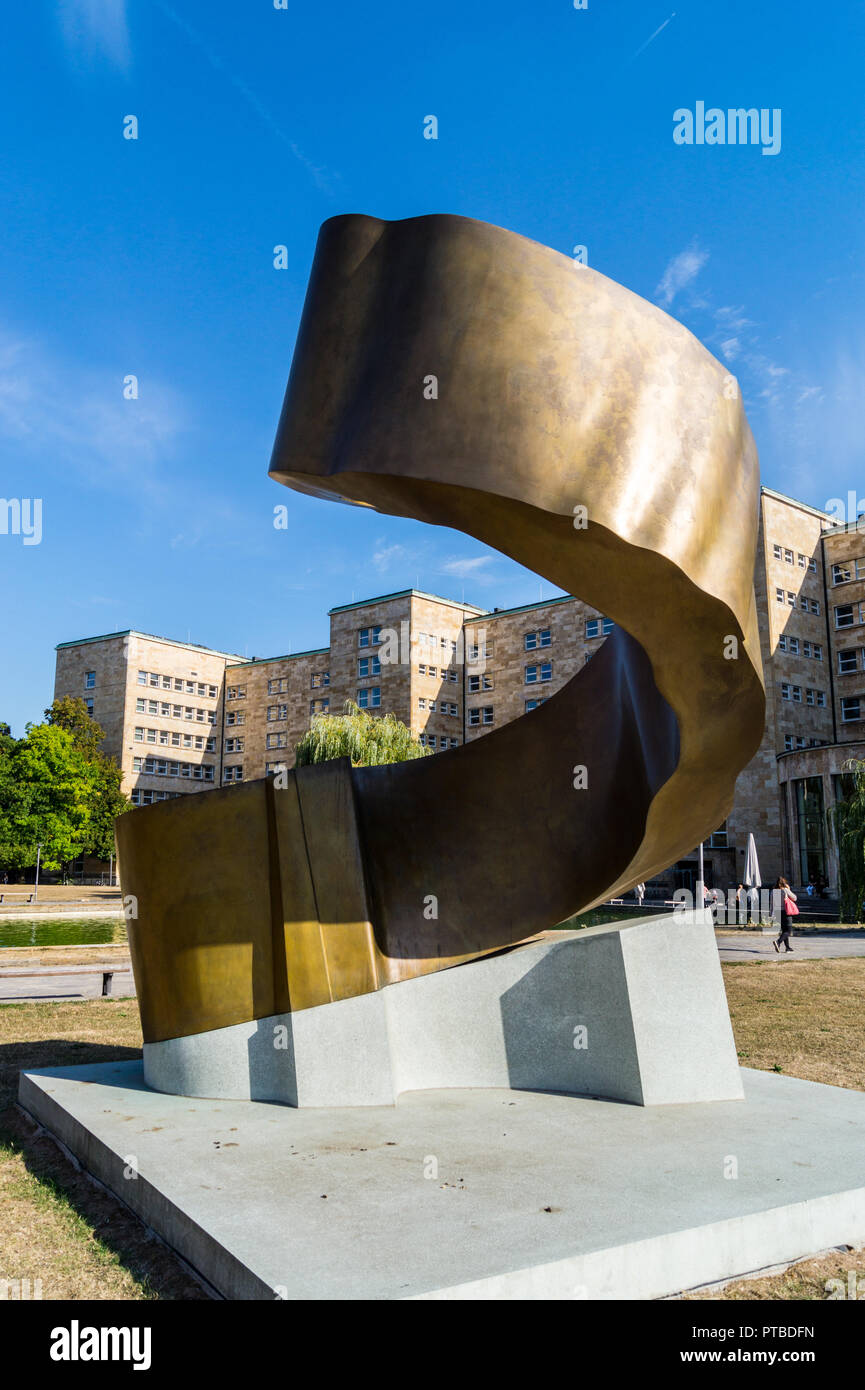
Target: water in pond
x,y
61,931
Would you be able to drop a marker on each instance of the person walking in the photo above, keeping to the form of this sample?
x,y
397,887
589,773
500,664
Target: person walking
x,y
789,910
640,893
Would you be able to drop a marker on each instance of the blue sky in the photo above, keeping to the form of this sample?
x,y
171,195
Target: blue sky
x,y
154,257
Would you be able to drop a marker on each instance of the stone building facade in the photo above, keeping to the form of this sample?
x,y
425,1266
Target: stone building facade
x,y
181,718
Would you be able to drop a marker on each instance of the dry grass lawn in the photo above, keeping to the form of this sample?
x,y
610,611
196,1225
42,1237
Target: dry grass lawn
x,y
56,1225
803,1018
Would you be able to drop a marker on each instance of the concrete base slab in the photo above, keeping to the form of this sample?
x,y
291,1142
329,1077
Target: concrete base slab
x,y
632,1010
471,1194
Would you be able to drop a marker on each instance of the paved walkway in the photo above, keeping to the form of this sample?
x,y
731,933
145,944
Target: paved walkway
x,y
41,988
755,946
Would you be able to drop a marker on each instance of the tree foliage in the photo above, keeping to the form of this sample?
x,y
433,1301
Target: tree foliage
x,y
57,790
847,819
367,739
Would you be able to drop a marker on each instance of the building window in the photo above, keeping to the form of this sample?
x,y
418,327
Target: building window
x,y
480,652
777,552
142,677
369,636
89,704
808,799
276,712
794,646
320,706
848,661
850,710
235,716
432,706
272,741
534,674
815,607
844,616
533,704
320,679
537,639
599,627
788,556
803,561
236,692
370,666
487,714
89,680
474,717
431,741
234,745
234,773
789,743
271,769
478,683
369,697
791,598
277,686
842,574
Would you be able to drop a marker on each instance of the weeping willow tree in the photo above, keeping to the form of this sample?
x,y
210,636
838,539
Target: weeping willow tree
x,y
847,819
366,738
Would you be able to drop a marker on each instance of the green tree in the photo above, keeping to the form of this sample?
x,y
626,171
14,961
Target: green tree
x,y
46,792
366,738
847,820
108,801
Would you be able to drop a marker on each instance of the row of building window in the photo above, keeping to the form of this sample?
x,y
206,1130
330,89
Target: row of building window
x,y
200,716
806,562
847,570
791,645
430,741
794,693
160,767
442,706
145,796
174,739
534,674
483,714
792,741
175,683
807,605
850,615
439,673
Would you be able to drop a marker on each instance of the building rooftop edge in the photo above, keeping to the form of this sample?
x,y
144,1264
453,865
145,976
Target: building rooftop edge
x,y
406,593
265,660
526,607
151,637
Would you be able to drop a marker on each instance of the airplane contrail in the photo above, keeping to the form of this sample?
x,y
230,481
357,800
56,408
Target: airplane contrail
x,y
653,36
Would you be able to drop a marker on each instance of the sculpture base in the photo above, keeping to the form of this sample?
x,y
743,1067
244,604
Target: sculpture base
x,y
632,1011
471,1194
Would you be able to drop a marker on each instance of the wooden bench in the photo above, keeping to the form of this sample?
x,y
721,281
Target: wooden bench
x,y
106,971
28,897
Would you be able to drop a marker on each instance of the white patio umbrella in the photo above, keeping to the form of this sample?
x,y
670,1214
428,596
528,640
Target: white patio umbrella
x,y
751,877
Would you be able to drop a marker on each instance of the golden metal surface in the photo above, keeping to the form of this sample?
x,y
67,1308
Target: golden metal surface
x,y
557,390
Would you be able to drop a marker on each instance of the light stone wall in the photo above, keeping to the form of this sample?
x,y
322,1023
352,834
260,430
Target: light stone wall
x,y
268,687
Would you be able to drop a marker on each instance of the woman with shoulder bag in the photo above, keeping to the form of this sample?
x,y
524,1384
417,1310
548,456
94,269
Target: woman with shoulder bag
x,y
789,910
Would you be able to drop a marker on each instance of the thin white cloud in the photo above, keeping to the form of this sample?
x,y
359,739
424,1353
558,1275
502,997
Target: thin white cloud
x,y
467,568
680,271
58,413
384,557
96,28
731,347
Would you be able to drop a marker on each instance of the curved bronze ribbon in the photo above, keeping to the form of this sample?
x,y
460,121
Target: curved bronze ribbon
x,y
557,390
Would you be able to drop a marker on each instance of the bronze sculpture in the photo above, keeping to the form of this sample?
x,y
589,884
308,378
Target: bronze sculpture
x,y
581,431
